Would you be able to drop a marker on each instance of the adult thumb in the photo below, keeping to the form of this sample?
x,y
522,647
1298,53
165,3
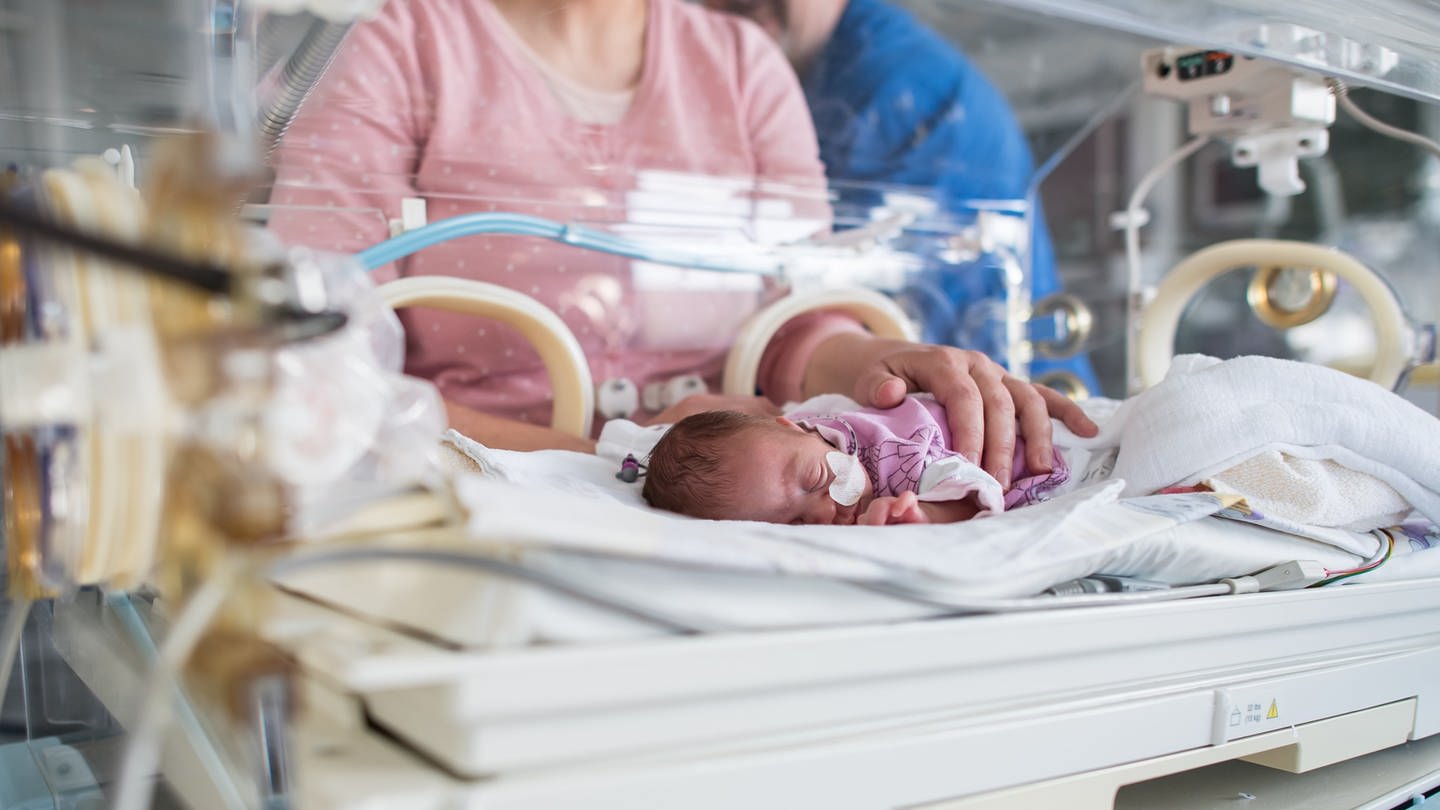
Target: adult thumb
x,y
879,388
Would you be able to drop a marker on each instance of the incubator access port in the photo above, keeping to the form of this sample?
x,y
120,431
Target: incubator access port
x,y
1060,326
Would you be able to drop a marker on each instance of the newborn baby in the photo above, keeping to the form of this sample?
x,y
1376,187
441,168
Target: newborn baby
x,y
858,465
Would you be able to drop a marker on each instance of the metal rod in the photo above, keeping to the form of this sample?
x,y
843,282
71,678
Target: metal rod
x,y
271,695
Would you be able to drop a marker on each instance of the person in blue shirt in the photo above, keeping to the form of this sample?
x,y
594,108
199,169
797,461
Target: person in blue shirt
x,y
894,104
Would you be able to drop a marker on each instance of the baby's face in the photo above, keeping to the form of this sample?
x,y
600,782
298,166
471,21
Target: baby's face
x,y
782,477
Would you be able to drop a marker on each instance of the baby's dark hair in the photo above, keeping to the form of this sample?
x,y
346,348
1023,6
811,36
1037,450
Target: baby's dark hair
x,y
687,471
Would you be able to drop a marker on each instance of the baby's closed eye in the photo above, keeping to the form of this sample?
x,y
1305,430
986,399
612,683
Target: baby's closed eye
x,y
817,478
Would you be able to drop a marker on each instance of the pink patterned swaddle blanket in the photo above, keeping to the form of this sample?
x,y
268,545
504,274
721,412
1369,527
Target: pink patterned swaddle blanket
x,y
899,445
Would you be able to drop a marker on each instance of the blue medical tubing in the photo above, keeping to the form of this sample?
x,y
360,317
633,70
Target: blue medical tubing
x,y
525,225
588,238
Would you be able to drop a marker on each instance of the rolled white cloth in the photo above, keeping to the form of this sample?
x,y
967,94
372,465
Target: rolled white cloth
x,y
1208,417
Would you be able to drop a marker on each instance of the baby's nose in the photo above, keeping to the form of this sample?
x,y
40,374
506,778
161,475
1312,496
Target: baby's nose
x,y
821,510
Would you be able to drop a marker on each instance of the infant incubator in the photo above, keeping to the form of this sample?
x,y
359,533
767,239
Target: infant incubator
x,y
246,566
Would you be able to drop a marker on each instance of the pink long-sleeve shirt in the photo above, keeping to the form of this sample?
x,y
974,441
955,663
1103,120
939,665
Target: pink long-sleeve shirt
x,y
438,98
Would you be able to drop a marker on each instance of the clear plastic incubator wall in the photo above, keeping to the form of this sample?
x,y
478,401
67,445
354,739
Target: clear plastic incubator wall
x,y
261,261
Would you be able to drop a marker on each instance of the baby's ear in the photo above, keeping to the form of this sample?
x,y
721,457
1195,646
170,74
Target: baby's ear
x,y
784,422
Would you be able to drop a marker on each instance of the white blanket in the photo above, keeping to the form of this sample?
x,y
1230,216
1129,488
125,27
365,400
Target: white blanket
x,y
1017,553
571,500
1209,417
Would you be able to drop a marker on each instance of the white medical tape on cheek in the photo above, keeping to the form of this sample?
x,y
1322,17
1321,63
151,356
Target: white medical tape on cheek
x,y
849,480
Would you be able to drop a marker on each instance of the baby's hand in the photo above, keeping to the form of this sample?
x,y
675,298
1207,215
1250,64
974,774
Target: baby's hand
x,y
888,509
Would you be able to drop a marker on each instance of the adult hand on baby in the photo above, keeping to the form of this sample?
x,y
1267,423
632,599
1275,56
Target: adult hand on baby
x,y
982,402
698,403
890,509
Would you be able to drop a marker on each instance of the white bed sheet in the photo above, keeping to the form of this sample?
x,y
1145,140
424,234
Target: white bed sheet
x,y
1020,552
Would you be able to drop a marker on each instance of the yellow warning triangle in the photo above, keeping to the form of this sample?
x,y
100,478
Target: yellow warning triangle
x,y
1274,711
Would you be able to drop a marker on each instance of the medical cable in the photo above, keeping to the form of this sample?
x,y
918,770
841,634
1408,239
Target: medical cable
x,y
1105,583
1285,576
927,594
1387,551
1097,119
10,641
1342,96
579,236
1133,218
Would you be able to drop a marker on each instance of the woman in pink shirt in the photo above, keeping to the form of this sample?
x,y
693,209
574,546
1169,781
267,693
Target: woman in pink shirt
x,y
626,114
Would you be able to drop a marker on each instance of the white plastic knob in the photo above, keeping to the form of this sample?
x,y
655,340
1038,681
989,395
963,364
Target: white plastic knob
x,y
617,398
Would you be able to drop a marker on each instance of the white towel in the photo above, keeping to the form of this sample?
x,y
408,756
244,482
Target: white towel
x,y
1313,492
1208,416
